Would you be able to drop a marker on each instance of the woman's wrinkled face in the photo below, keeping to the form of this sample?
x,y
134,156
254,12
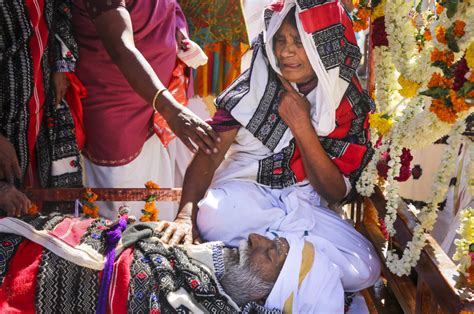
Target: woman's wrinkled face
x,y
290,54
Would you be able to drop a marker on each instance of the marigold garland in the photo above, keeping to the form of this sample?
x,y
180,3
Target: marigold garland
x,y
33,210
150,212
88,207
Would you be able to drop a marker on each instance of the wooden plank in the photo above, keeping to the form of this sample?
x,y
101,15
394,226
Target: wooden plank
x,y
435,267
402,287
423,298
103,194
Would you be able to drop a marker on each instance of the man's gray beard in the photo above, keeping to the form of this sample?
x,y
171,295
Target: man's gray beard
x,y
242,283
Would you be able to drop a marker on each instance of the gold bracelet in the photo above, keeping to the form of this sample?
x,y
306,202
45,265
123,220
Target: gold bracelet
x,y
158,93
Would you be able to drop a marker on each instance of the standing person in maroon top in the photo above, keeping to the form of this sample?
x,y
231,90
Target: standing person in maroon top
x,y
128,52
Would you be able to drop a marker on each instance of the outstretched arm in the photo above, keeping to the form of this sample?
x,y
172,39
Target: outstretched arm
x,y
196,182
114,27
322,173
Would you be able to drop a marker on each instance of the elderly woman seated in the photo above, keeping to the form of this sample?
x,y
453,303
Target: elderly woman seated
x,y
80,265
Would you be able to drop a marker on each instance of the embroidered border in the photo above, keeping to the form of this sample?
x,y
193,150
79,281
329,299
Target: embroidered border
x,y
266,124
95,234
275,171
307,4
9,243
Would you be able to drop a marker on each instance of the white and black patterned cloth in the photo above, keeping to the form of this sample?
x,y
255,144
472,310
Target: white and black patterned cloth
x,y
56,139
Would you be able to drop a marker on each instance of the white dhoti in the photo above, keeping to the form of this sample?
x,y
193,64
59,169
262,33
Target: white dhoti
x,y
153,163
231,211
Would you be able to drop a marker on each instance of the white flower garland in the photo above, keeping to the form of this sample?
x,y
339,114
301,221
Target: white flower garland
x,y
386,85
401,33
415,126
425,128
368,178
466,238
391,189
428,214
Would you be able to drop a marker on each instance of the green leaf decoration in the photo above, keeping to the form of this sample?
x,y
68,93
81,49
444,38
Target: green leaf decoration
x,y
466,88
443,66
437,92
452,7
151,198
452,43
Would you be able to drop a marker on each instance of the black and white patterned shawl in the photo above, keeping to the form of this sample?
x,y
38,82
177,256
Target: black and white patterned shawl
x,y
16,88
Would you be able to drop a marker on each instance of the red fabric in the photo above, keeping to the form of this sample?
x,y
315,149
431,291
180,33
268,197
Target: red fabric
x,y
351,159
71,230
344,117
37,44
17,294
118,292
74,94
297,166
326,15
276,5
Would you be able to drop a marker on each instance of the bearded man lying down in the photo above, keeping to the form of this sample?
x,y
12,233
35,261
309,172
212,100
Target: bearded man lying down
x,y
79,265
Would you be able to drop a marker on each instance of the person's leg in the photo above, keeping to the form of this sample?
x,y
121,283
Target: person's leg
x,y
231,211
359,262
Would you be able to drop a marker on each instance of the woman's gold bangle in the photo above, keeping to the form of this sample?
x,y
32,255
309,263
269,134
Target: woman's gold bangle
x,y
158,93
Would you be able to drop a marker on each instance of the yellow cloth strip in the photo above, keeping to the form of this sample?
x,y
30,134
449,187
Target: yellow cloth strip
x,y
306,264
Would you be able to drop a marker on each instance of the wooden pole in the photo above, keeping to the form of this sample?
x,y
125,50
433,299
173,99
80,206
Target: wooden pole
x,y
103,194
370,62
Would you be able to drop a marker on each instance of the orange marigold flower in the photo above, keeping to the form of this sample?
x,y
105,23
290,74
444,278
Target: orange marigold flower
x,y
151,185
443,56
435,80
459,103
90,196
92,212
355,3
438,80
449,58
357,27
459,28
444,113
33,210
441,34
150,206
363,14
427,34
439,8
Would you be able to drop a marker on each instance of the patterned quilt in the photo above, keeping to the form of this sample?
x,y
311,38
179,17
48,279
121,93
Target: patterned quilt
x,y
145,273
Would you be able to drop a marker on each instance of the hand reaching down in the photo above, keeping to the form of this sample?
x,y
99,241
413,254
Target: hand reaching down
x,y
14,202
180,231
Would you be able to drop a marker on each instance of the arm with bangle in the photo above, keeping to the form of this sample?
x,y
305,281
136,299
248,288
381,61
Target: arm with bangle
x,y
114,27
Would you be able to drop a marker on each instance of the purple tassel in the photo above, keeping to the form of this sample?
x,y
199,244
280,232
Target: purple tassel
x,y
113,236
